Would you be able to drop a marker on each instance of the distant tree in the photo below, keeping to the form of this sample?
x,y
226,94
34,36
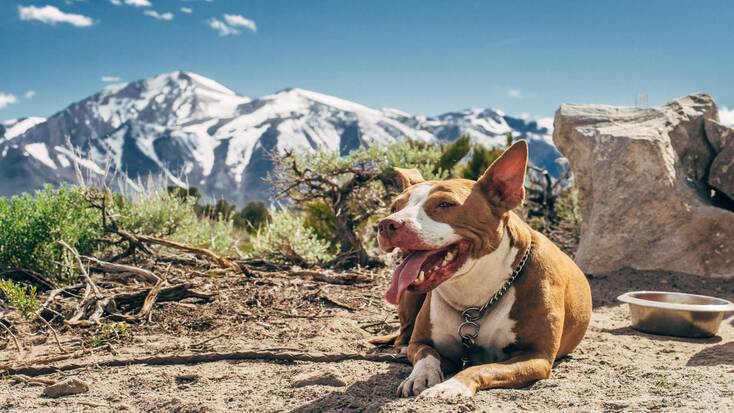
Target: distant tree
x,y
184,193
481,158
252,216
454,152
220,210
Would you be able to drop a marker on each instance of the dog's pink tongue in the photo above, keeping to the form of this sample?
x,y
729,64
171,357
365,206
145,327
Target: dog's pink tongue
x,y
405,274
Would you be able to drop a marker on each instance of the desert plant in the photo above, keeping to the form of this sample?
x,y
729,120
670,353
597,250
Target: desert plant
x,y
109,332
21,297
162,213
286,238
31,225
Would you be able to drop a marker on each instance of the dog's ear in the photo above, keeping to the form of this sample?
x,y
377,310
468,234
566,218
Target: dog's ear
x,y
504,181
408,177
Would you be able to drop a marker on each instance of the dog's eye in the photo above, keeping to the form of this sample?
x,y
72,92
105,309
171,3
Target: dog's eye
x,y
393,209
445,204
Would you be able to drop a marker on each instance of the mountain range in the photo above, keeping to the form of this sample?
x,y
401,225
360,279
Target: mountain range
x,y
197,132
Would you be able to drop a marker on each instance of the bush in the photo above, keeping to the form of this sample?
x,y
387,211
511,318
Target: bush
x,y
286,238
31,225
169,215
481,158
21,297
252,217
318,216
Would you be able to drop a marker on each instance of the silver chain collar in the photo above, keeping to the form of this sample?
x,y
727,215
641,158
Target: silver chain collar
x,y
469,329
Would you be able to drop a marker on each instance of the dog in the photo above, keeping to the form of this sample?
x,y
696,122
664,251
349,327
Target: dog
x,y
478,290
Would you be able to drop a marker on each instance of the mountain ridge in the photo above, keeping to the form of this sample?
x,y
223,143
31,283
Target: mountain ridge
x,y
194,130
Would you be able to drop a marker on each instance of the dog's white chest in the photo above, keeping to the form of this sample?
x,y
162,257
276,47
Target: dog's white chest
x,y
495,331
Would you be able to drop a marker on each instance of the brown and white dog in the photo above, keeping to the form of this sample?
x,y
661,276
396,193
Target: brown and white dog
x,y
461,242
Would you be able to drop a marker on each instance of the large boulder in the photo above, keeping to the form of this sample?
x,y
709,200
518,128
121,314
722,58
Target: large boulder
x,y
645,186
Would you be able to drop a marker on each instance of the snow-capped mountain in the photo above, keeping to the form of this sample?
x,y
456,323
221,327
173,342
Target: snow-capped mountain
x,y
195,131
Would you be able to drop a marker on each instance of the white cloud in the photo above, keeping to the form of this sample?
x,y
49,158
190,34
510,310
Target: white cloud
x,y
134,3
221,27
230,25
186,10
52,15
159,16
29,94
726,116
109,79
514,93
7,99
238,21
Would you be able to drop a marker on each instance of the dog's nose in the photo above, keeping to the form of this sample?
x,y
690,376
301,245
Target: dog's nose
x,y
387,227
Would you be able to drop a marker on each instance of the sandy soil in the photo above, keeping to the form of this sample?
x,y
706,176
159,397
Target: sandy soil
x,y
614,369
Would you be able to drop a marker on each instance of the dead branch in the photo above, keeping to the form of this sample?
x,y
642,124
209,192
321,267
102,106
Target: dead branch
x,y
348,279
85,274
146,275
158,293
15,339
174,359
219,260
53,331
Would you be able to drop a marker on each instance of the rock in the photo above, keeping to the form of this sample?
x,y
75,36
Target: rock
x,y
318,378
718,134
721,174
643,181
66,388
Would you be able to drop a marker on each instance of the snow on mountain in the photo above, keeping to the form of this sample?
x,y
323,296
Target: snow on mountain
x,y
11,128
195,131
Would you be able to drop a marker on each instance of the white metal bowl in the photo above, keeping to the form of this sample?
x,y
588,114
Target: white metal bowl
x,y
676,314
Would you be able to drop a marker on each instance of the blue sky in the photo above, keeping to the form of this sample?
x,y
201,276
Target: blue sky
x,y
425,57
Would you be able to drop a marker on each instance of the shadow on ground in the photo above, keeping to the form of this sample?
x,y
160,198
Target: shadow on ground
x,y
369,394
606,288
629,331
722,354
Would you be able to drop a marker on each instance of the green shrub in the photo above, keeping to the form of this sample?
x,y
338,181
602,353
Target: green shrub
x,y
110,332
481,158
453,153
318,216
286,238
31,225
161,213
568,207
21,297
253,216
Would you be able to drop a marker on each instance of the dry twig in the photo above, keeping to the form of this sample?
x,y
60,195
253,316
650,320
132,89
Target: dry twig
x,y
172,359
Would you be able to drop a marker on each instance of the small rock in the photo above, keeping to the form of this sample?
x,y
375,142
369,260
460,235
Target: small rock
x,y
318,379
187,378
66,388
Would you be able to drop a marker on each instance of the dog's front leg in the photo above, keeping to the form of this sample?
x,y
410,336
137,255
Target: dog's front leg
x,y
518,371
426,370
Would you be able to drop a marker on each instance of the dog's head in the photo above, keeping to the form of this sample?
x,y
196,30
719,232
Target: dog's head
x,y
441,227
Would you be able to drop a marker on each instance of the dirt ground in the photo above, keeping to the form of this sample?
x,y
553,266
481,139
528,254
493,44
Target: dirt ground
x,y
614,369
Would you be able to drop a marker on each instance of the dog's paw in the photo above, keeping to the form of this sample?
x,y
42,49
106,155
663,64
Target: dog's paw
x,y
426,373
448,389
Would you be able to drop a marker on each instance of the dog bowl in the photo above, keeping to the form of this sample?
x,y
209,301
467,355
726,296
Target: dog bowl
x,y
676,314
